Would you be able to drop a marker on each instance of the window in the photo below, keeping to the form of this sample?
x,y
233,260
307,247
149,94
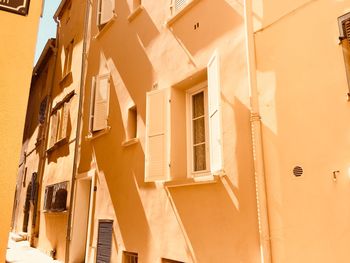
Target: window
x,y
197,130
68,53
59,130
344,29
104,241
99,104
183,128
55,197
131,129
177,5
105,12
130,257
42,118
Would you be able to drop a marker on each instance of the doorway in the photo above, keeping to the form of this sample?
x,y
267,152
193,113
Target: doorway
x,y
80,220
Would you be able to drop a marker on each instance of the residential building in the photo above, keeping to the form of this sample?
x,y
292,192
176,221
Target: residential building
x,y
198,131
18,33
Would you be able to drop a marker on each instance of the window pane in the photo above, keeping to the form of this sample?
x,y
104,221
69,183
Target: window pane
x,y
199,157
198,131
198,105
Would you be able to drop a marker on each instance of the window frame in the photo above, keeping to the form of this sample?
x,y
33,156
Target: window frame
x,y
201,87
53,190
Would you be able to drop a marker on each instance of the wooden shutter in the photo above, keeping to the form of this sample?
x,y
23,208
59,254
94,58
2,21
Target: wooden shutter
x,y
101,103
105,11
157,135
346,27
104,241
92,104
54,125
215,140
64,121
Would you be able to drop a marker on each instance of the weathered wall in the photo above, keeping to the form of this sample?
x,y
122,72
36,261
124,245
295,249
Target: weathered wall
x,y
304,109
16,60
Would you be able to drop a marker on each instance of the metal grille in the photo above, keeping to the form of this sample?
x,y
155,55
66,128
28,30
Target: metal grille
x,y
298,171
130,257
104,241
56,197
179,4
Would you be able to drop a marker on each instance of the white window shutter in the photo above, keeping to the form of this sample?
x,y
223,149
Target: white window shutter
x,y
92,104
101,103
157,157
105,11
215,137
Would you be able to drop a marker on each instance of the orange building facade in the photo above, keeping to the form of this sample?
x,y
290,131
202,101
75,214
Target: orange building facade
x,y
194,131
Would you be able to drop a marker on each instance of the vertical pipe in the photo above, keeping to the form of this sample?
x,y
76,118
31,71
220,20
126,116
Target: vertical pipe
x,y
262,206
79,127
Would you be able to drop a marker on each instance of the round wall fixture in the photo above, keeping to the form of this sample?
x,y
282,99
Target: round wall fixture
x,y
297,171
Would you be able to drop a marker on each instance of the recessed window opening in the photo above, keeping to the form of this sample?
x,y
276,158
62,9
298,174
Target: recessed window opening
x,y
130,257
131,129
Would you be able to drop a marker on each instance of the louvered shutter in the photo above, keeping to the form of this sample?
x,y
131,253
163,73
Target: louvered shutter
x,y
105,11
104,241
92,104
346,26
216,163
64,121
53,134
157,135
179,4
101,103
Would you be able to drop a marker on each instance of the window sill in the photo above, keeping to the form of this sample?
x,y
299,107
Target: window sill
x,y
66,78
58,144
135,13
130,142
49,212
199,180
180,13
105,27
93,136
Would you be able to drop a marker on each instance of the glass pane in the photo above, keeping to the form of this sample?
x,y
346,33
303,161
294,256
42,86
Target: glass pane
x,y
198,105
198,131
199,157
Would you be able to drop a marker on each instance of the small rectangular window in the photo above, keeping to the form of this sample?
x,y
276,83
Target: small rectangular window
x,y
105,12
68,54
131,128
130,257
56,197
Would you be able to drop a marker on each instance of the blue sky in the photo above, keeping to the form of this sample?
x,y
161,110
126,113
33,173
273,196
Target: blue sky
x,y
47,28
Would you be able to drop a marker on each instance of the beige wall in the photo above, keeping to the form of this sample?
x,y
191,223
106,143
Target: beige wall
x,y
209,222
16,60
304,109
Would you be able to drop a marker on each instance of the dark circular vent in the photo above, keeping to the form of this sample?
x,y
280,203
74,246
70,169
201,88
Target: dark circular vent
x,y
297,171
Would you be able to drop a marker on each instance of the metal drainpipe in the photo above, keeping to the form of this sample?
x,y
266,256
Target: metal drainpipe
x,y
78,130
258,154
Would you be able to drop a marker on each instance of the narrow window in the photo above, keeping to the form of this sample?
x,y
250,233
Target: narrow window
x,y
130,257
105,12
104,241
344,28
198,130
68,53
132,123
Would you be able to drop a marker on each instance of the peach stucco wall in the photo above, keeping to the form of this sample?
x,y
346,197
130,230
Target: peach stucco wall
x,y
304,112
18,34
209,222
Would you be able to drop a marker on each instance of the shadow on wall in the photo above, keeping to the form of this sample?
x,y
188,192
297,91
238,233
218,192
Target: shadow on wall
x,y
122,51
207,22
220,218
